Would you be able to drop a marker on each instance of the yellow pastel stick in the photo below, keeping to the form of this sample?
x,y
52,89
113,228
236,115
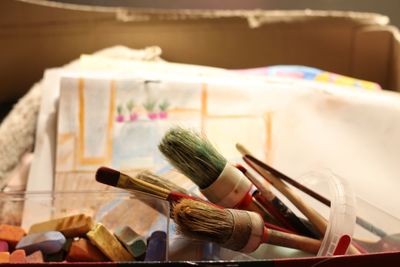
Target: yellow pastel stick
x,y
104,240
71,226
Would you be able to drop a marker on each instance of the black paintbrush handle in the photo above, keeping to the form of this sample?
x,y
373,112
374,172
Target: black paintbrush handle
x,y
284,215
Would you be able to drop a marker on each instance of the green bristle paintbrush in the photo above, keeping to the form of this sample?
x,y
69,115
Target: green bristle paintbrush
x,y
222,183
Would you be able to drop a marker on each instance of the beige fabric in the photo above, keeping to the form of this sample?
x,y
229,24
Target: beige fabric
x,y
17,132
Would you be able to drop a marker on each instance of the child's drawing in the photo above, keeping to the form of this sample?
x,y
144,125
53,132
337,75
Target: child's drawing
x,y
119,123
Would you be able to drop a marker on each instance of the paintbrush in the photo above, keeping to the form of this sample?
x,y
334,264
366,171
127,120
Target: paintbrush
x,y
118,179
276,207
315,218
273,172
160,181
237,230
220,182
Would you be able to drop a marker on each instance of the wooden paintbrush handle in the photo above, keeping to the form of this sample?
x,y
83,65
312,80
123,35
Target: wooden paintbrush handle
x,y
315,218
292,241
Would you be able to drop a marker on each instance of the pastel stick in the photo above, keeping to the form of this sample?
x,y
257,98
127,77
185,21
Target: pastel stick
x,y
83,251
70,226
156,246
107,243
18,255
133,242
11,234
47,242
3,246
4,257
36,257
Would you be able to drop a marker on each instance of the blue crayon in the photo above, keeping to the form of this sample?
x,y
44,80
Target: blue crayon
x,y
156,247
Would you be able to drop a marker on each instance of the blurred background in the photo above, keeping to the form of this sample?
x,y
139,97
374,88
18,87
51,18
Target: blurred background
x,y
390,8
48,39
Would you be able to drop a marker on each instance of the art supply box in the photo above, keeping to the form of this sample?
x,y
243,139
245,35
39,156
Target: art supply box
x,y
363,46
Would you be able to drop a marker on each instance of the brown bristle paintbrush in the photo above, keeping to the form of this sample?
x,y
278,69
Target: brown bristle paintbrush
x,y
221,182
238,230
118,179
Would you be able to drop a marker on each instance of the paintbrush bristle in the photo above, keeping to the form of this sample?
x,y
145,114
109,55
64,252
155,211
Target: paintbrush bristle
x,y
203,221
193,155
160,181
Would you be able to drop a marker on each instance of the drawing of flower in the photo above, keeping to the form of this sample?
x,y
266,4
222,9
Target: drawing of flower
x,y
163,114
132,115
120,115
150,108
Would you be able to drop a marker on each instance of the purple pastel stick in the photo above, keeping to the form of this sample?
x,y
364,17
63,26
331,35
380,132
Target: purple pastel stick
x,y
3,246
48,242
156,247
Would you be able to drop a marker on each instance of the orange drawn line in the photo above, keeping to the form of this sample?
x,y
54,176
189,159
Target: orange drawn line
x,y
204,108
81,118
92,160
233,116
64,137
63,158
81,156
182,110
111,120
268,136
